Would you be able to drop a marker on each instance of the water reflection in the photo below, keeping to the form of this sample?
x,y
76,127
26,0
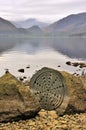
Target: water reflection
x,y
72,47
39,52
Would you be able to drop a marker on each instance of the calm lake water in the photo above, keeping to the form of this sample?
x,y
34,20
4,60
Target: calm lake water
x,y
40,52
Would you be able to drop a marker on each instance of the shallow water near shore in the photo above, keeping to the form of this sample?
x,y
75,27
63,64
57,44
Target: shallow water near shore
x,y
34,53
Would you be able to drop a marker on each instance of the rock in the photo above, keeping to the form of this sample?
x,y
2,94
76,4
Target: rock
x,y
83,79
59,65
75,64
21,70
77,93
42,113
16,100
50,86
68,63
53,114
48,114
28,67
21,79
24,77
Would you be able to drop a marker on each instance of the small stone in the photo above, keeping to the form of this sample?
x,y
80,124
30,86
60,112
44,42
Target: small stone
x,y
68,63
63,122
28,67
21,70
53,114
59,66
42,113
31,123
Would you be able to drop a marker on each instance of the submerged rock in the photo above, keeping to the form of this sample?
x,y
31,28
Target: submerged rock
x,y
16,101
76,64
21,70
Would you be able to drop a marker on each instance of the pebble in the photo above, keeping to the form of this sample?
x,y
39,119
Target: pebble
x,y
52,114
48,120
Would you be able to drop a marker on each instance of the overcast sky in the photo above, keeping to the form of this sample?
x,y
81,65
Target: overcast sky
x,y
44,10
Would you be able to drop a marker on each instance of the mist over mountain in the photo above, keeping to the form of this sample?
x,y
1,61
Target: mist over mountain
x,y
6,27
35,30
73,24
29,23
9,29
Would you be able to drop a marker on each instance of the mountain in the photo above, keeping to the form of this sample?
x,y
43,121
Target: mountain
x,y
6,27
36,30
72,24
29,23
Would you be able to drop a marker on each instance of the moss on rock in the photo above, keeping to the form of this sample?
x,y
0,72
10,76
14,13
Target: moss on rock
x,y
16,100
76,91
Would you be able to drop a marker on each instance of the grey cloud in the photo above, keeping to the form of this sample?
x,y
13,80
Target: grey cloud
x,y
42,9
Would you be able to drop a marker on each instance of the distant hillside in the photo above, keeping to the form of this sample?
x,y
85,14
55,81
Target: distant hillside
x,y
29,23
35,30
72,24
6,27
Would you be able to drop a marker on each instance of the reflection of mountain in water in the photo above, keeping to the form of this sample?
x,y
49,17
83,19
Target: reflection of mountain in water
x,y
73,47
6,43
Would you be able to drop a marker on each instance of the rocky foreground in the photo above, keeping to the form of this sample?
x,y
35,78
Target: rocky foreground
x,y
48,120
20,108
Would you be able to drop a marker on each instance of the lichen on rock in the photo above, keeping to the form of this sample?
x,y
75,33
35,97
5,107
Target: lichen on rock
x,y
77,92
16,100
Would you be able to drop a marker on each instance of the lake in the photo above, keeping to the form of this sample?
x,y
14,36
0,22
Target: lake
x,y
17,53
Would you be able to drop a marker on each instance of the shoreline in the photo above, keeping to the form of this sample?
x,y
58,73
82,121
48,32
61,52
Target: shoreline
x,y
48,121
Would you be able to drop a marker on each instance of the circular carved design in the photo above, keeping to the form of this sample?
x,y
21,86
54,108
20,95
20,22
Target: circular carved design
x,y
50,86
